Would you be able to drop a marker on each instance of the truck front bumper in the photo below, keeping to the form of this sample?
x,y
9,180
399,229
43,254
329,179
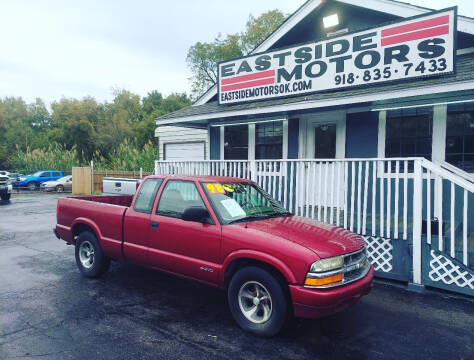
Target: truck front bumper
x,y
314,303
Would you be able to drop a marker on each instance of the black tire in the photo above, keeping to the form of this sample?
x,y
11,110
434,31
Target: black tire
x,y
5,197
279,314
59,188
99,264
32,185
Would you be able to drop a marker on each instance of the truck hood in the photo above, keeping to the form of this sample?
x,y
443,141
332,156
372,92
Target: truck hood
x,y
324,239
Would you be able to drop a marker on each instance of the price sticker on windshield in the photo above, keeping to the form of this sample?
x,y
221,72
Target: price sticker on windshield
x,y
215,188
228,187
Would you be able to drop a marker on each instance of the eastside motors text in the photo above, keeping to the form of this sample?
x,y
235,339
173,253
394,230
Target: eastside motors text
x,y
417,47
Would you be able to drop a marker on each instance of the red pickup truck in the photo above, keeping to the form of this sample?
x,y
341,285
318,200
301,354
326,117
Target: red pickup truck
x,y
228,233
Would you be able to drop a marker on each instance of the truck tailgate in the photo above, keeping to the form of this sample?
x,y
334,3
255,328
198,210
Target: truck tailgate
x,y
105,219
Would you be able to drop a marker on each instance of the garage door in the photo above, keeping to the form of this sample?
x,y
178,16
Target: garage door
x,y
184,151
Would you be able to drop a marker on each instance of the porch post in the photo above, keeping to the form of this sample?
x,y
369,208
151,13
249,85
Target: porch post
x,y
253,170
417,217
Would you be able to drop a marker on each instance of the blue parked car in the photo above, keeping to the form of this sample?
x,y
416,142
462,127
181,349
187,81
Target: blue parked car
x,y
32,182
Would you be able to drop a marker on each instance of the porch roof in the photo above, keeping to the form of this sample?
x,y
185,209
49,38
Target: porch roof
x,y
373,96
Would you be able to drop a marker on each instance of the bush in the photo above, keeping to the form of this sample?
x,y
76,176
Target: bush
x,y
127,157
55,157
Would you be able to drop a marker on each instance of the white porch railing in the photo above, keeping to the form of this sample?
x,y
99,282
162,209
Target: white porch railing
x,y
384,200
457,171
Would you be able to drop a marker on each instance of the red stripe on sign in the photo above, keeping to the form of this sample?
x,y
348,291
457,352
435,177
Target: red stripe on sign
x,y
248,84
416,35
441,20
238,79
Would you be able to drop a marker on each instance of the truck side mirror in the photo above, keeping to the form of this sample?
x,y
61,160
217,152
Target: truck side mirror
x,y
196,214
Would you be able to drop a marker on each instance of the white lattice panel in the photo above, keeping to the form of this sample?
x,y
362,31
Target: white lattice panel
x,y
445,270
379,252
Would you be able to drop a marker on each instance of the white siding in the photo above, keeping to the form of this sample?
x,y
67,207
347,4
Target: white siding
x,y
178,134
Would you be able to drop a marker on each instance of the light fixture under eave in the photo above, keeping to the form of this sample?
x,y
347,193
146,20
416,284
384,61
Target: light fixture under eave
x,y
330,21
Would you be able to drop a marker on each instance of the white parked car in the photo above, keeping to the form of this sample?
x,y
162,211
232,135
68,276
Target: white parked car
x,y
61,185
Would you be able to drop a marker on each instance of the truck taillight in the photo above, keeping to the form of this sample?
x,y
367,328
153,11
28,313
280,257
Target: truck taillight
x,y
102,186
138,184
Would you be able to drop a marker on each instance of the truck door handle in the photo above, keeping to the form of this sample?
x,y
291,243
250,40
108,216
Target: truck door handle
x,y
153,225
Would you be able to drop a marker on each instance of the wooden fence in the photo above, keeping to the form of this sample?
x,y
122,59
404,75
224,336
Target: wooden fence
x,y
82,183
82,180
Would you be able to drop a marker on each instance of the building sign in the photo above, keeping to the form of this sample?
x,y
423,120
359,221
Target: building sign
x,y
416,47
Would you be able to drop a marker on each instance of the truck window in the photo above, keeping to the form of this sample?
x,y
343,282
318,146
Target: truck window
x,y
178,196
146,196
45,174
56,174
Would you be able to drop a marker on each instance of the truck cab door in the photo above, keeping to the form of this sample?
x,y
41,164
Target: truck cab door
x,y
137,223
184,247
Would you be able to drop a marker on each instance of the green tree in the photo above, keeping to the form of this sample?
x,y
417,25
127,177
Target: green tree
x,y
258,29
202,58
155,105
74,125
15,122
75,131
152,101
39,116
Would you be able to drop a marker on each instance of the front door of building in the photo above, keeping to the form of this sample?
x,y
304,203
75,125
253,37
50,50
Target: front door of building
x,y
324,135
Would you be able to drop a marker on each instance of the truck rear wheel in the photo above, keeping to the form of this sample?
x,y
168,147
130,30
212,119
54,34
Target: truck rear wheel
x,y
90,259
258,301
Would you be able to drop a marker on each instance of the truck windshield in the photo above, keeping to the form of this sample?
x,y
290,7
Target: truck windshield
x,y
241,201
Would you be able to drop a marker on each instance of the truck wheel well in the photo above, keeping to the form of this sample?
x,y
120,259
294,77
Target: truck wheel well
x,y
240,263
79,228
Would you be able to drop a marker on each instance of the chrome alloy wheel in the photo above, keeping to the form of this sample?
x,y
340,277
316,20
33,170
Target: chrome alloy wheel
x,y
255,302
86,254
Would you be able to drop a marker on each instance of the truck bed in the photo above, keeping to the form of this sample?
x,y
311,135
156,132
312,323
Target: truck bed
x,y
103,214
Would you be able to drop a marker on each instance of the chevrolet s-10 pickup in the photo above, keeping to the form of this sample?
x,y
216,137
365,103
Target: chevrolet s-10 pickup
x,y
224,232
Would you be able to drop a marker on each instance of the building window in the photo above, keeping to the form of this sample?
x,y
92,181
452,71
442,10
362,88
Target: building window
x,y
460,136
269,140
236,142
409,133
325,141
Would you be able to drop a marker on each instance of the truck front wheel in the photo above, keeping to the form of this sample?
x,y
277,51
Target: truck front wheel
x,y
258,301
90,259
5,197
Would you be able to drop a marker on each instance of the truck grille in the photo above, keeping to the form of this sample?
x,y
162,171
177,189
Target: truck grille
x,y
354,275
354,258
4,180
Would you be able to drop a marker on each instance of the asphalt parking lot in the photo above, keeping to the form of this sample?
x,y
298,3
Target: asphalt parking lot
x,y
48,310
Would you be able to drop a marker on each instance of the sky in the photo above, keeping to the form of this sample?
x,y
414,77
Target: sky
x,y
64,48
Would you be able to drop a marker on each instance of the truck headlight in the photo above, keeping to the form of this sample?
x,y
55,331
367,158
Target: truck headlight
x,y
324,272
327,264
